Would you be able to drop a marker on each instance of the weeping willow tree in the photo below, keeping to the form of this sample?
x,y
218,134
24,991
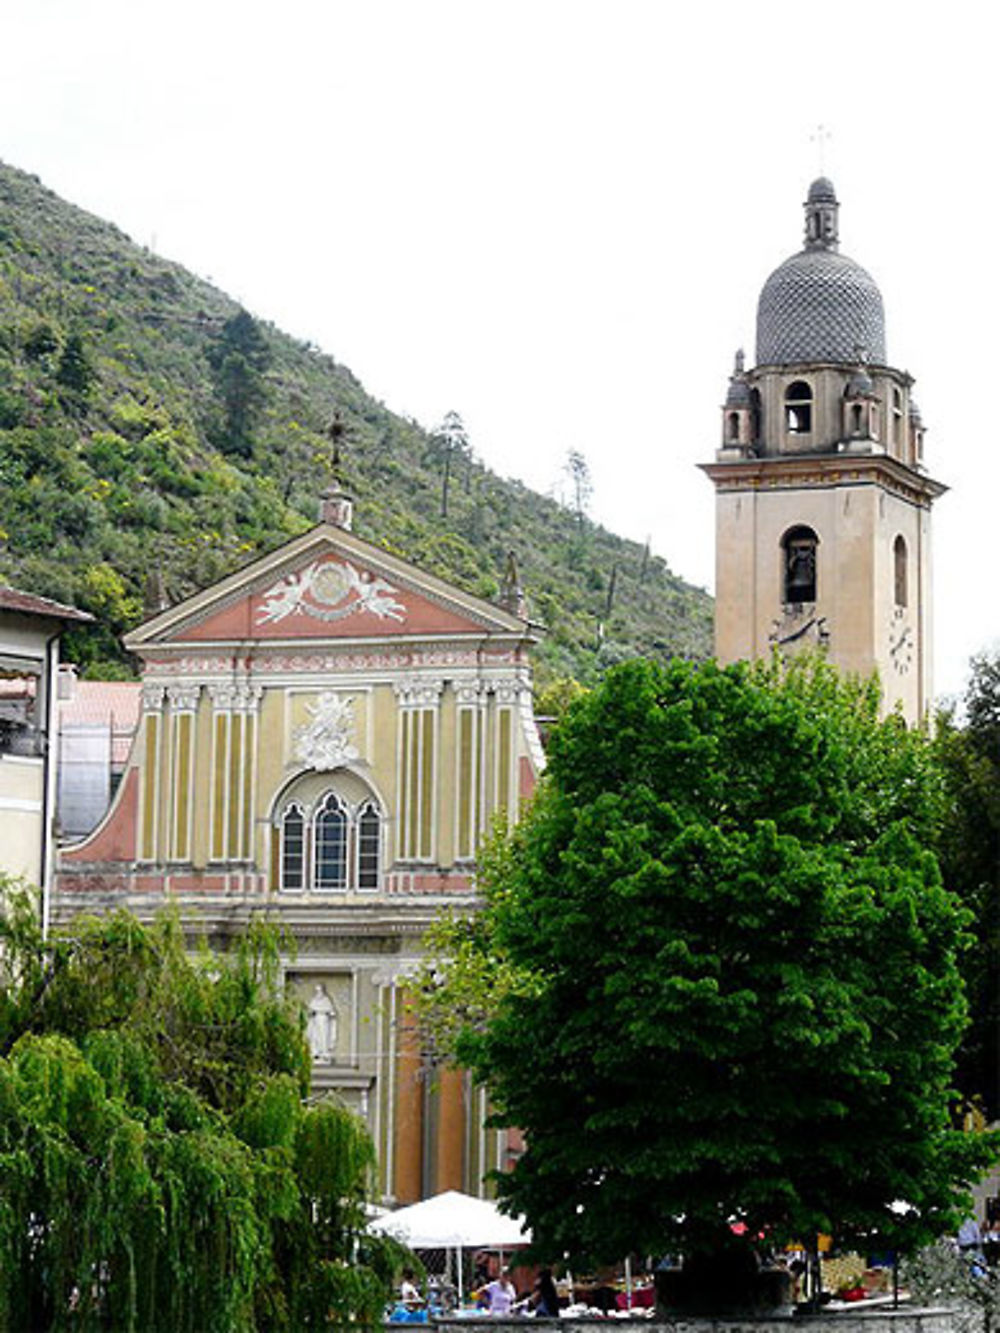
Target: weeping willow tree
x,y
159,1166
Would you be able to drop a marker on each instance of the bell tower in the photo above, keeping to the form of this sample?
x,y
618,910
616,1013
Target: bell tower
x,y
822,498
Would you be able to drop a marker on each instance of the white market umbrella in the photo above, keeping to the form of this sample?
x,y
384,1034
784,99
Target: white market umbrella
x,y
453,1220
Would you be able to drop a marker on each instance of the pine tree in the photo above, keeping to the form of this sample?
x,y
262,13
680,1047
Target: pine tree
x,y
239,360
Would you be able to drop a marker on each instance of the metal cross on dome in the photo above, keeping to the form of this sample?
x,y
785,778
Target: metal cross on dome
x,y
819,136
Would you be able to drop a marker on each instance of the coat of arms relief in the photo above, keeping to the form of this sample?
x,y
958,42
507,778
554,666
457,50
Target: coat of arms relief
x,y
330,590
325,742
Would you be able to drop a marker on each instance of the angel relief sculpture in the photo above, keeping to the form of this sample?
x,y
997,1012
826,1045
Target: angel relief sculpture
x,y
324,743
330,590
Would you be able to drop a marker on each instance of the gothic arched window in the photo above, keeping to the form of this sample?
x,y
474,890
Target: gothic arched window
x,y
369,843
293,847
330,844
899,571
733,427
798,408
799,547
328,835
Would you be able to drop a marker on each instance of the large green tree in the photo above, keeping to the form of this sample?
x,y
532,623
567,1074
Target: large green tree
x,y
968,747
159,1166
715,977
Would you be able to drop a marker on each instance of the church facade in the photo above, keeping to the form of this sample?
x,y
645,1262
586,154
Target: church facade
x,y
823,500
326,735
324,738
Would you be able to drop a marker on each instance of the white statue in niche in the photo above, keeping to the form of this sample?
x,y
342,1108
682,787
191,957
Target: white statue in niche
x,y
325,742
321,1029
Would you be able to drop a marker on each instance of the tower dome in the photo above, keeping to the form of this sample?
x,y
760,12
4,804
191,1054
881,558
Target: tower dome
x,y
819,305
822,190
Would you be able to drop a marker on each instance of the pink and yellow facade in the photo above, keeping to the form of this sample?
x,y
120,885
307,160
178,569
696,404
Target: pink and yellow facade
x,y
325,736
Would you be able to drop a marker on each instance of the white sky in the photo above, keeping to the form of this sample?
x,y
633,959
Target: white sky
x,y
555,216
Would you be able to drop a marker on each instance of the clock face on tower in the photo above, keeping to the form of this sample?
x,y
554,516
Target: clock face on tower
x,y
799,627
900,641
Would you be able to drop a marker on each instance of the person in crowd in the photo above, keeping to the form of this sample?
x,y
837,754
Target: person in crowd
x,y
969,1235
500,1294
481,1273
545,1298
435,1296
408,1293
797,1268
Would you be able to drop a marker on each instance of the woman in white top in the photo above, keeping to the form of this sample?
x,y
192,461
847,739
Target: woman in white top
x,y
501,1293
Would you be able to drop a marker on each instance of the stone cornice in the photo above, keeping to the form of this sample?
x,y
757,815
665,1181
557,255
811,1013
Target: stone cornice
x,y
792,368
294,656
825,471
396,918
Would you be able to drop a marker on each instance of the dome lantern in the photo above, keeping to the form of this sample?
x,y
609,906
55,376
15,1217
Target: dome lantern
x,y
821,216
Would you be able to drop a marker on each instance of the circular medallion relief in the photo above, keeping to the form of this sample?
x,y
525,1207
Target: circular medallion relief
x,y
330,584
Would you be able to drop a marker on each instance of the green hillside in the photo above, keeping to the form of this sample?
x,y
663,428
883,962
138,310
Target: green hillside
x,y
153,438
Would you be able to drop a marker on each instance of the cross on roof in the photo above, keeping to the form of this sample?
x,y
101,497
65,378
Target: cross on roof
x,y
819,137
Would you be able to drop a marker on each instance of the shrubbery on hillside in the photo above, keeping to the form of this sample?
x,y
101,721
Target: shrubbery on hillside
x,y
150,428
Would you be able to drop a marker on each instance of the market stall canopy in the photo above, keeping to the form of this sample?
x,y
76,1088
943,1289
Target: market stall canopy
x,y
451,1221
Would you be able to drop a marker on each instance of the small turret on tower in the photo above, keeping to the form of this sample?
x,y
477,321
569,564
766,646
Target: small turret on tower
x,y
860,404
916,435
738,410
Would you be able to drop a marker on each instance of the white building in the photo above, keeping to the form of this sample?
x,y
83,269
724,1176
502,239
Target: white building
x,y
30,627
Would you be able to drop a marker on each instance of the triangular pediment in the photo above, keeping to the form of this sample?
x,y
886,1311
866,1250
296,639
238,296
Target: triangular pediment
x,y
327,584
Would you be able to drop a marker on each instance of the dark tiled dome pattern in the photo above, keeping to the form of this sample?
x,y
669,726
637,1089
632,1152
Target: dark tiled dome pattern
x,y
820,306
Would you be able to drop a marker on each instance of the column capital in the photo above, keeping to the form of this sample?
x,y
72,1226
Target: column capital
x,y
505,689
153,695
184,698
470,691
235,697
419,691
